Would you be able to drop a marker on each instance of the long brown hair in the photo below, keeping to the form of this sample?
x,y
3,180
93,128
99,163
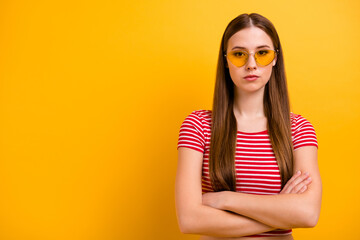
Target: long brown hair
x,y
276,109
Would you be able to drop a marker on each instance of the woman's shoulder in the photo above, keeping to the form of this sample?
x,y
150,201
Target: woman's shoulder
x,y
297,120
303,132
202,113
201,116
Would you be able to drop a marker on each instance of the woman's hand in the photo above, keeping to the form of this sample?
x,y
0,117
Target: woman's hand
x,y
213,199
297,184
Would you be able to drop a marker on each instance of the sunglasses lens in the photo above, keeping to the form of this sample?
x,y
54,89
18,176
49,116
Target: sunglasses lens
x,y
264,57
238,58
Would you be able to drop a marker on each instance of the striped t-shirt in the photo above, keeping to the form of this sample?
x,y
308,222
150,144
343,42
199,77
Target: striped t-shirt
x,y
257,171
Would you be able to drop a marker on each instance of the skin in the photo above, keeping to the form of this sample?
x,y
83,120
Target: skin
x,y
248,107
204,214
251,39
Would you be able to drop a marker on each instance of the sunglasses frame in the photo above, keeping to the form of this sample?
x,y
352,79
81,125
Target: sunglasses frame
x,y
276,51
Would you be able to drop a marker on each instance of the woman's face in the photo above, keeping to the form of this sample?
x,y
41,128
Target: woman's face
x,y
251,40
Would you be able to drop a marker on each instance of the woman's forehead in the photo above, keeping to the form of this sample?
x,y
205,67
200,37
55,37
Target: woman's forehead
x,y
250,38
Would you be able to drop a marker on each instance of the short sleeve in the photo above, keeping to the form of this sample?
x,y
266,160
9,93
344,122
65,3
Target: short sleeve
x,y
305,134
191,134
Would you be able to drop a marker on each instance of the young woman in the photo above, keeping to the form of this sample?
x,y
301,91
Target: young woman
x,y
248,169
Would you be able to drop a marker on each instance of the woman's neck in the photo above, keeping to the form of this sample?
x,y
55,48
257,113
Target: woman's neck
x,y
249,105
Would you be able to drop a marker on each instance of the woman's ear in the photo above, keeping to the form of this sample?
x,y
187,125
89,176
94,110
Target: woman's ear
x,y
274,61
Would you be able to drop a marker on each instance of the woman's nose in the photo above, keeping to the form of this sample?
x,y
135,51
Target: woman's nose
x,y
251,63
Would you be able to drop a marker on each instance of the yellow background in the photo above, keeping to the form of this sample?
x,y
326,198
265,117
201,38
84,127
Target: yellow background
x,y
93,94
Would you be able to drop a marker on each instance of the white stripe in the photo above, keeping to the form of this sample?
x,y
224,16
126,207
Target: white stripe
x,y
254,139
258,188
246,148
253,179
191,120
188,145
254,161
308,141
304,145
257,137
254,170
186,129
255,157
241,166
260,179
261,184
254,144
256,152
189,127
303,137
262,175
183,136
250,165
307,129
257,170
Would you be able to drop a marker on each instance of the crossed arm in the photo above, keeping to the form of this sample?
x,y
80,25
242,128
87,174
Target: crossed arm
x,y
298,205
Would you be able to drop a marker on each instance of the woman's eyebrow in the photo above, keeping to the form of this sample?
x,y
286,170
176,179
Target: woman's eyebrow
x,y
245,48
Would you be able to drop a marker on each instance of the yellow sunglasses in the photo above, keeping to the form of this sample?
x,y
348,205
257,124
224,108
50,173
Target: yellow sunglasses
x,y
262,57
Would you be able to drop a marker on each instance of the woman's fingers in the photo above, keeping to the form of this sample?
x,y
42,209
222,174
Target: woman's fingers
x,y
303,189
297,183
299,187
286,188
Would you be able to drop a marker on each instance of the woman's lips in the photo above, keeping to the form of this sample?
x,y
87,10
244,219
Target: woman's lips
x,y
251,77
